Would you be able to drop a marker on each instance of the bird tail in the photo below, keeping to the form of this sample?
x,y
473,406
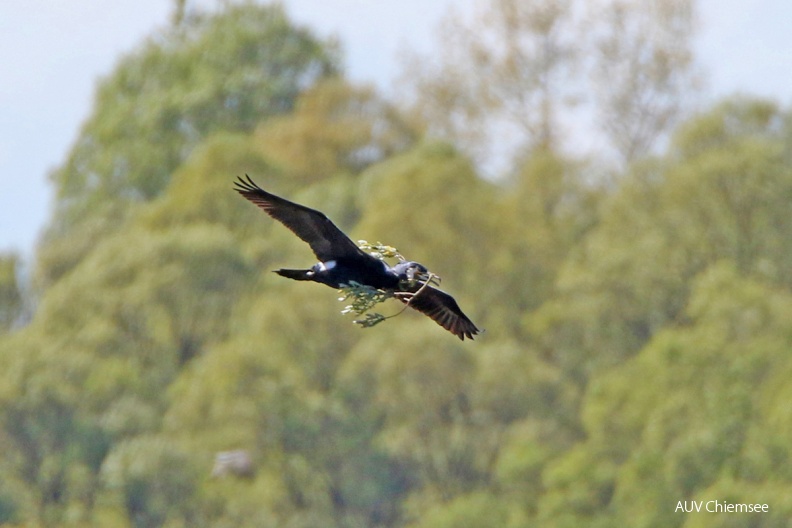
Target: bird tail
x,y
299,275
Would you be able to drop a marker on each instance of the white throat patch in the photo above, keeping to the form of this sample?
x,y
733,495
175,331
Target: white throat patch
x,y
327,266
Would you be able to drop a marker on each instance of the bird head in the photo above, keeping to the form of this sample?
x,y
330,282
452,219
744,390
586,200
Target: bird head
x,y
410,271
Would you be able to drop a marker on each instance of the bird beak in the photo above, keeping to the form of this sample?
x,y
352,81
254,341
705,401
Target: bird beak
x,y
429,277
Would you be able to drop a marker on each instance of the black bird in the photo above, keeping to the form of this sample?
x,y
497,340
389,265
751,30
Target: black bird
x,y
341,262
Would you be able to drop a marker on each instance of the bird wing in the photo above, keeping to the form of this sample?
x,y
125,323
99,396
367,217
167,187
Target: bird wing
x,y
312,226
444,310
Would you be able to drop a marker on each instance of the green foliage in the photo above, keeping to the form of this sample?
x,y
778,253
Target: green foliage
x,y
364,297
334,128
380,250
225,71
477,510
667,223
408,186
689,424
153,480
10,294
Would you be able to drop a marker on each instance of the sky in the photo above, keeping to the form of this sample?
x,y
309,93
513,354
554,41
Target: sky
x,y
52,52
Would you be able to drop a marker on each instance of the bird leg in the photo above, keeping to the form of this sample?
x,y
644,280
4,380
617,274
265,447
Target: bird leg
x,y
410,296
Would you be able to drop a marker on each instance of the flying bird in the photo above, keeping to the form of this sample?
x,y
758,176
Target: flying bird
x,y
342,262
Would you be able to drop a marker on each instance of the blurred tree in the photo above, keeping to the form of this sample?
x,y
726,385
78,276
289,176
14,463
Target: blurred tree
x,y
426,411
549,208
156,482
200,190
689,423
638,334
475,510
79,380
578,488
669,221
11,303
223,71
642,70
179,12
505,68
401,209
51,449
335,128
517,70
275,389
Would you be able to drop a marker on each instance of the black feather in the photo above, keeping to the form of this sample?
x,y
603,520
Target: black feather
x,y
350,263
312,226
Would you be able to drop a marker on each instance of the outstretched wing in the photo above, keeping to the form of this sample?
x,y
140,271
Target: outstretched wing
x,y
312,226
444,310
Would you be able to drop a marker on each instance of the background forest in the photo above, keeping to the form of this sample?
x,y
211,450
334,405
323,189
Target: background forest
x,y
636,293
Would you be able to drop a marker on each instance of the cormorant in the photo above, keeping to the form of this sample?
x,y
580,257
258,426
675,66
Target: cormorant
x,y
342,262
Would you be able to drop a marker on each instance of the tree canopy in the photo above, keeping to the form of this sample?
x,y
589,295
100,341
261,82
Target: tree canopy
x,y
224,71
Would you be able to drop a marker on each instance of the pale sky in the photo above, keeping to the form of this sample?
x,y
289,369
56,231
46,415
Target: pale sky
x,y
53,51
